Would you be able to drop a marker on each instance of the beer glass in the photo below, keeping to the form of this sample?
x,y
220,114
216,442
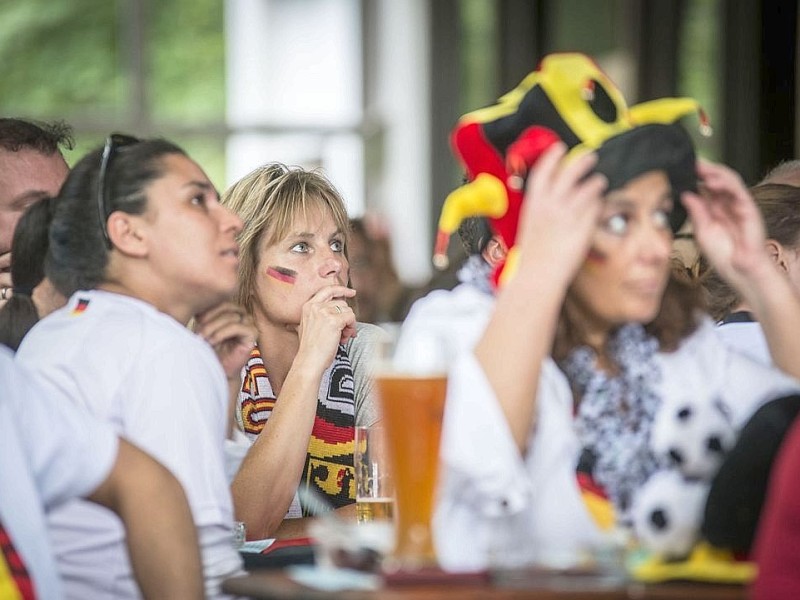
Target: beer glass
x,y
412,395
374,489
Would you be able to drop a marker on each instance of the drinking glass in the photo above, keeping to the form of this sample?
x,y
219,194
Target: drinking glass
x,y
411,386
374,486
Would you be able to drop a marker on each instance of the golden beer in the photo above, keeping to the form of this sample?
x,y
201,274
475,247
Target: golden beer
x,y
412,409
374,509
374,488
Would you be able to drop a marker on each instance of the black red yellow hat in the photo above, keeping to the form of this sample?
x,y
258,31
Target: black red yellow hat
x,y
646,148
568,97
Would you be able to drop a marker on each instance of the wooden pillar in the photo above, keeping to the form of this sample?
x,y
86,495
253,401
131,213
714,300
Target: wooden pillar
x,y
758,97
658,48
445,94
522,32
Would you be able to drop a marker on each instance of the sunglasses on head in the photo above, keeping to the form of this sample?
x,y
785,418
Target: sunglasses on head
x,y
113,143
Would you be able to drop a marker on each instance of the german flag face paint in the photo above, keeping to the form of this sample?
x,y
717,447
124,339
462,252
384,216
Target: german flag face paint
x,y
595,258
282,274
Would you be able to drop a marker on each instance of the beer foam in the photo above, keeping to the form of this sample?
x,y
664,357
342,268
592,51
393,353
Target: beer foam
x,y
425,355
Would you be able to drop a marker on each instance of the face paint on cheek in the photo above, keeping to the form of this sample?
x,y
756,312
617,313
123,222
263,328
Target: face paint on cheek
x,y
595,258
282,274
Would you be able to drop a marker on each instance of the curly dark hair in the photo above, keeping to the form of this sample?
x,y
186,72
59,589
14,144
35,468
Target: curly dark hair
x,y
475,234
47,138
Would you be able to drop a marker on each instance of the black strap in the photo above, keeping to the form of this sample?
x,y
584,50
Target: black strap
x,y
742,316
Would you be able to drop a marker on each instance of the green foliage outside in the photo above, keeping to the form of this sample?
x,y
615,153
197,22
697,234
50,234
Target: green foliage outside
x,y
479,33
699,67
60,59
74,60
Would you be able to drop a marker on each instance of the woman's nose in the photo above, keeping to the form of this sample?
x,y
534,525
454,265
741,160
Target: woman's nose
x,y
230,220
656,245
333,264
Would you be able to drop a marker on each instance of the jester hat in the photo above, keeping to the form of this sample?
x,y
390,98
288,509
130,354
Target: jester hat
x,y
568,98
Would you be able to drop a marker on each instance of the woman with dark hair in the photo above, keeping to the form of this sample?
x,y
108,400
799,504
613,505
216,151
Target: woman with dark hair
x,y
548,432
34,296
141,244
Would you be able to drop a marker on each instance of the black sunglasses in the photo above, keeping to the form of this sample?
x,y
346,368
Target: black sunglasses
x,y
113,142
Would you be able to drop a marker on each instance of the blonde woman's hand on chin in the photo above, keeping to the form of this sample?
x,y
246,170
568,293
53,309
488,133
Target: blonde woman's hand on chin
x,y
327,321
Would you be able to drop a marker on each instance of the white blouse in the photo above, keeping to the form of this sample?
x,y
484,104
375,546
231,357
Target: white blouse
x,y
499,508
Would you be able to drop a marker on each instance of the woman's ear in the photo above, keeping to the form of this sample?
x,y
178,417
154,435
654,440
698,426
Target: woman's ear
x,y
125,233
777,254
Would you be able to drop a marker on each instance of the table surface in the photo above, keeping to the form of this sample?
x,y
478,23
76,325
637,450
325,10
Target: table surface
x,y
276,585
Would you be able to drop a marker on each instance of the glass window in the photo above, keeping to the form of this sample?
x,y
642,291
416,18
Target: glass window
x,y
144,67
61,59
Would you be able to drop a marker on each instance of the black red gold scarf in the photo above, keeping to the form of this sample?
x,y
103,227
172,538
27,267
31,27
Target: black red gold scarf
x,y
328,469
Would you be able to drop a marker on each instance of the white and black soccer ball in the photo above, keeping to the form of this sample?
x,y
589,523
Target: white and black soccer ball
x,y
667,512
693,436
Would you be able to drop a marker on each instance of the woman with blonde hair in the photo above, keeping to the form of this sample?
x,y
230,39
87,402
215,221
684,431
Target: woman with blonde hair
x,y
306,384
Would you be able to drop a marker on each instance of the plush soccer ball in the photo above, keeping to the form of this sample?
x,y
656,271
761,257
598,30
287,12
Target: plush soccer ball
x,y
667,512
693,436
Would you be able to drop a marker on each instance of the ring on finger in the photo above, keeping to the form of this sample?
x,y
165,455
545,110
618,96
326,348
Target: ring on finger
x,y
337,307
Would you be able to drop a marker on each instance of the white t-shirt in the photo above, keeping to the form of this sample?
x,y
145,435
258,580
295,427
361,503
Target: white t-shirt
x,y
162,387
493,500
71,457
748,338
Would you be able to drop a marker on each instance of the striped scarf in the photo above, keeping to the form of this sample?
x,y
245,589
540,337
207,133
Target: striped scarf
x,y
328,468
15,581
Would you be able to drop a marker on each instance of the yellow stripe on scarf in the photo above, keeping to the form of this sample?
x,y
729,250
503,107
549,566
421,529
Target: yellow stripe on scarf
x,y
8,587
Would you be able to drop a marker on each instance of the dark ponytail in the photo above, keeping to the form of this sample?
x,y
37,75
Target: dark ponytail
x,y
28,251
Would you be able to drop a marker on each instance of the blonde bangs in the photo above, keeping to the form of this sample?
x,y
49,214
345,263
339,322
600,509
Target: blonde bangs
x,y
268,201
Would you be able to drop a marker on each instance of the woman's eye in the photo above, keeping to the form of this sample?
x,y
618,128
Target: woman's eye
x,y
337,246
617,224
661,218
199,200
300,247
